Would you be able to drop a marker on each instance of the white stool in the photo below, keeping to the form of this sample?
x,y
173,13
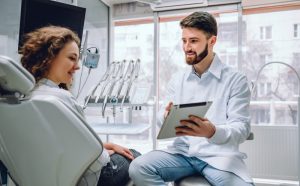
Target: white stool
x,y
193,181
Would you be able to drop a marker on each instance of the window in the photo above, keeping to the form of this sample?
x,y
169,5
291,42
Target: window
x,y
276,84
261,89
265,32
230,59
120,37
264,89
264,116
133,51
131,42
296,57
171,55
134,41
229,31
132,37
296,88
265,58
297,30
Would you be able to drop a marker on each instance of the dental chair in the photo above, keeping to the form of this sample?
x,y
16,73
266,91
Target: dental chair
x,y
43,142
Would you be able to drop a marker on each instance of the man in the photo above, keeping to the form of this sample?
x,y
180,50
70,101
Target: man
x,y
205,146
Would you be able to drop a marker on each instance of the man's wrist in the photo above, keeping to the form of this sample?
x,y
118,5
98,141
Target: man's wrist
x,y
212,131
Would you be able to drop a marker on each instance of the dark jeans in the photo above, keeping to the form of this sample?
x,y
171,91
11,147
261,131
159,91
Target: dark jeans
x,y
115,173
3,174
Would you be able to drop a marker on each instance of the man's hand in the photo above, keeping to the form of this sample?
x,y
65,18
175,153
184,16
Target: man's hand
x,y
167,110
196,126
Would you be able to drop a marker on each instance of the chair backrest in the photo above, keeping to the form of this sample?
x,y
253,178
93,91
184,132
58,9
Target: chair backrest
x,y
42,140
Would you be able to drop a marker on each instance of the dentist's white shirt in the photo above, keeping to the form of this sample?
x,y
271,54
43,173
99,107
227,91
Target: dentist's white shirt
x,y
229,113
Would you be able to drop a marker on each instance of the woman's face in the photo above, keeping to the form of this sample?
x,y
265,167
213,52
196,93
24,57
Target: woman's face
x,y
64,65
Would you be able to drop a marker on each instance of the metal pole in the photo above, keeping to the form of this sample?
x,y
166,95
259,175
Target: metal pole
x,y
240,36
155,77
298,133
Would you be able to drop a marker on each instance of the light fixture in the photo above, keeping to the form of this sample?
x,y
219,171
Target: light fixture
x,y
164,5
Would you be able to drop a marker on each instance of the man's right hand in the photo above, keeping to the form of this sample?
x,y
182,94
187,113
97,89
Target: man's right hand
x,y
167,110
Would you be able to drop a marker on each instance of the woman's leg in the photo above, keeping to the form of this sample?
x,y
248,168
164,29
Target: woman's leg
x,y
222,178
158,167
115,173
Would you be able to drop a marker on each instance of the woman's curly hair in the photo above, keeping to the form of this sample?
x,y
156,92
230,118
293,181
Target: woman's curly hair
x,y
42,45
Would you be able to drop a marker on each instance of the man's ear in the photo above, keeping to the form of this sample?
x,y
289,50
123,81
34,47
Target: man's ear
x,y
213,40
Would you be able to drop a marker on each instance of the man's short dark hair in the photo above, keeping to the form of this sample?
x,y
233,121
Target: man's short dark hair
x,y
201,20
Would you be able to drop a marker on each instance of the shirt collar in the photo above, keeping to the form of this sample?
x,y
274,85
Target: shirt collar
x,y
215,69
47,82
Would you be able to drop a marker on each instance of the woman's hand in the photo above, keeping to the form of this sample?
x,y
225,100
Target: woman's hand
x,y
114,148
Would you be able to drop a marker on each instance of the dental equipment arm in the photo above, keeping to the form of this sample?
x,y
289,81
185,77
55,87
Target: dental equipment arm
x,y
103,79
134,75
110,74
110,88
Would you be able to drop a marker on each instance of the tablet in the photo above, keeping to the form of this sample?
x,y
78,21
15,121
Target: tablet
x,y
181,112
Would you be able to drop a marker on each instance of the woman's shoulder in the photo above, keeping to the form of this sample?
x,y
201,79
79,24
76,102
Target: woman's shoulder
x,y
42,89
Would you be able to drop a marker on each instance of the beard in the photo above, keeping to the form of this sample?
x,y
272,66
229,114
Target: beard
x,y
197,58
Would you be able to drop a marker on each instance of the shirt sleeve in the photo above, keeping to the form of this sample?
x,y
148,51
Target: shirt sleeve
x,y
237,126
169,97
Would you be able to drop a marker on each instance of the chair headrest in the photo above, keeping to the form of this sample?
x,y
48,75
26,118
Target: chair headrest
x,y
14,77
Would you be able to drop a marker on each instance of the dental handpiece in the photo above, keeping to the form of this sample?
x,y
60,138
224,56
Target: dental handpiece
x,y
104,78
110,89
133,75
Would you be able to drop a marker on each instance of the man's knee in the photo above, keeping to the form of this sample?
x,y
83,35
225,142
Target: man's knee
x,y
134,168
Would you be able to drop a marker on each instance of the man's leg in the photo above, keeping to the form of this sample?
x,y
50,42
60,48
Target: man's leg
x,y
222,178
158,167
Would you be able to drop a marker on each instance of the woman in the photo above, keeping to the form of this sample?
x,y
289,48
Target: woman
x,y
51,55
